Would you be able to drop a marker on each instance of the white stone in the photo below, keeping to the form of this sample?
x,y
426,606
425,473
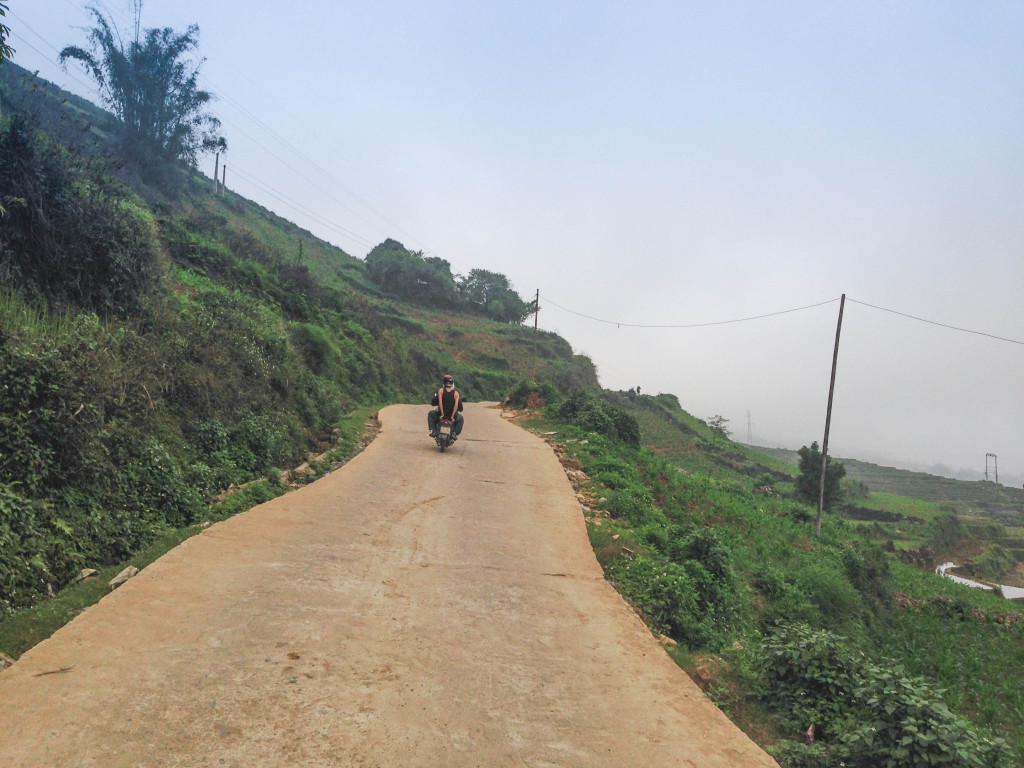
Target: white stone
x,y
123,576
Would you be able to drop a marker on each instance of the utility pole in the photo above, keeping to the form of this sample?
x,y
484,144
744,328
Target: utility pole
x,y
536,313
224,178
995,463
828,416
216,173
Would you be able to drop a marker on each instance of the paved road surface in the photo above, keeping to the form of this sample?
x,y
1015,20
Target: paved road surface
x,y
412,609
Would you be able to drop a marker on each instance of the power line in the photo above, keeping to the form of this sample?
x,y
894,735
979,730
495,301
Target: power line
x,y
253,119
691,325
15,34
288,165
783,312
933,322
221,93
299,207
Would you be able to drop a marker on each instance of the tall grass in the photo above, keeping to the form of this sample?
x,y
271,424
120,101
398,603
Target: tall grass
x,y
33,323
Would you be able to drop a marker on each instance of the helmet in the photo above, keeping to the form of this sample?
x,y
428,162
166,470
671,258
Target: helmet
x,y
448,380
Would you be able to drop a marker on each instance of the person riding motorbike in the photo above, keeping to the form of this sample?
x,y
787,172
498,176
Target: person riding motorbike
x,y
449,404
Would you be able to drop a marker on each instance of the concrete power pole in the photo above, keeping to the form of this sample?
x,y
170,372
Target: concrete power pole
x,y
536,316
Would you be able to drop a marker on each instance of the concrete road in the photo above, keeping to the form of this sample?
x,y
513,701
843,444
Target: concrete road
x,y
411,609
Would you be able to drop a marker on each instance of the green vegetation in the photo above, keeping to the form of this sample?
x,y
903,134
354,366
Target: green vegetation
x,y
429,280
155,352
715,548
808,482
161,346
5,50
150,85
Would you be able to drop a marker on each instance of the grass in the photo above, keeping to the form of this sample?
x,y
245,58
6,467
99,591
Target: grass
x,y
967,643
22,629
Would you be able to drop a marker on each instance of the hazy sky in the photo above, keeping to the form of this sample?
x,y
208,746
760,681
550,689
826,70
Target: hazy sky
x,y
660,164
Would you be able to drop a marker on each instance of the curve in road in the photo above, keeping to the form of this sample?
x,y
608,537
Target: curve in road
x,y
410,609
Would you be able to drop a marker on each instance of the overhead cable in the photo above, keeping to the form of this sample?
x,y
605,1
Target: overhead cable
x,y
933,322
299,207
690,325
222,94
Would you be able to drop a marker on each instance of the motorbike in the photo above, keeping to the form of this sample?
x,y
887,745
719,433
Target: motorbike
x,y
445,433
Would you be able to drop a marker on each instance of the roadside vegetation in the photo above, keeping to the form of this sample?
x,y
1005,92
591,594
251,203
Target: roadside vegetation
x,y
156,350
170,356
827,650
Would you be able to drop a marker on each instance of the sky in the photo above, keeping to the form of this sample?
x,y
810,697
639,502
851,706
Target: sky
x,y
658,170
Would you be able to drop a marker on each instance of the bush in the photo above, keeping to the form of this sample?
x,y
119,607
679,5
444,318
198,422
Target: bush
x,y
903,721
664,591
635,506
871,715
520,396
827,588
588,412
21,562
810,678
69,233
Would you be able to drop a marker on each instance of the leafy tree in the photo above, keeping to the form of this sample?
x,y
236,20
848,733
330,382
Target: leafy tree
x,y
6,51
492,294
407,273
718,428
150,84
808,484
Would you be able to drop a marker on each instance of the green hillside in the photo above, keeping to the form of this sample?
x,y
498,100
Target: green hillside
x,y
170,356
891,664
160,343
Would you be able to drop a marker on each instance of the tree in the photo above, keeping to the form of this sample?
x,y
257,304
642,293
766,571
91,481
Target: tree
x,y
493,295
718,428
6,51
150,84
808,483
407,273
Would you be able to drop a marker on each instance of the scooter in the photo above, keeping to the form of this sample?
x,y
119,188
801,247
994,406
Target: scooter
x,y
445,433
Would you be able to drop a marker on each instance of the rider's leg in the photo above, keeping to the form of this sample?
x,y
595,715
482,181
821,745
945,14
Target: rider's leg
x,y
432,422
458,423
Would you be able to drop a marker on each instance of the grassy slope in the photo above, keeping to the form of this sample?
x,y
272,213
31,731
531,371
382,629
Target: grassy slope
x,y
245,358
963,641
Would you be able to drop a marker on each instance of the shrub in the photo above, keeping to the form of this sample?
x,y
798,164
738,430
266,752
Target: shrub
x,y
588,412
902,721
69,233
520,396
664,591
827,587
20,559
810,677
872,715
635,505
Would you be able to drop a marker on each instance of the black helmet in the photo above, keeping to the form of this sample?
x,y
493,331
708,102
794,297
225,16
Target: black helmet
x,y
447,380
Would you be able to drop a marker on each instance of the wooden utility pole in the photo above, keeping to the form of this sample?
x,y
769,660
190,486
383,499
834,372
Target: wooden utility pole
x,y
216,173
224,178
536,312
828,416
